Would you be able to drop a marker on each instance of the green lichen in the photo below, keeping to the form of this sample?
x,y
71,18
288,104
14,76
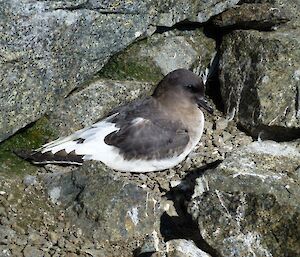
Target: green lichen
x,y
29,138
129,65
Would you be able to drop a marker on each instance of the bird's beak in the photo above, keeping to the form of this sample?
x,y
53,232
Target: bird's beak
x,y
202,102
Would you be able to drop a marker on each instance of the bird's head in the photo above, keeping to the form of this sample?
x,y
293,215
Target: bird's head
x,y
183,83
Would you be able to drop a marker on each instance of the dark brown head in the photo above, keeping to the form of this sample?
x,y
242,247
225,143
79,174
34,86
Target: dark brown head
x,y
183,83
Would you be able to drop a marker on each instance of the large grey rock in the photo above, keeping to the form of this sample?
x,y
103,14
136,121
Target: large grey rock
x,y
171,12
250,202
6,234
49,48
159,54
252,16
291,6
103,205
260,81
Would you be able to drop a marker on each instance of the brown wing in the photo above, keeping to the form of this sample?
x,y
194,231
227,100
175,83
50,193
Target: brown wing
x,y
148,139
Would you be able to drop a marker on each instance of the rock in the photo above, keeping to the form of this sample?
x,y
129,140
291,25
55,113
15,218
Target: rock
x,y
64,49
104,206
6,234
50,48
291,7
184,248
149,246
251,16
29,180
150,58
4,251
260,81
171,12
30,251
96,100
250,202
53,237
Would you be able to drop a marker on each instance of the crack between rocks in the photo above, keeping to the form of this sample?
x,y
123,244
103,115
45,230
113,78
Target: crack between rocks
x,y
99,10
183,226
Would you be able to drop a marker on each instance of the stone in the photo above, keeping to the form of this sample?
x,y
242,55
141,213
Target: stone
x,y
260,81
29,180
4,251
252,16
171,12
53,236
30,251
250,202
292,7
6,234
64,49
184,248
150,245
50,48
150,58
104,206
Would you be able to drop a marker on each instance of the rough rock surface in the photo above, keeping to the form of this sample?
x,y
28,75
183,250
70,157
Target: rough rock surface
x,y
148,59
103,206
249,203
291,6
184,248
260,81
48,48
255,16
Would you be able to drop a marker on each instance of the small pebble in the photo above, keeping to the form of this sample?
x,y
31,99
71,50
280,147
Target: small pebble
x,y
53,237
29,180
18,229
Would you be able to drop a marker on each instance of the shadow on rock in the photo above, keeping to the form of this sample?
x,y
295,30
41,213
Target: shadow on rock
x,y
183,226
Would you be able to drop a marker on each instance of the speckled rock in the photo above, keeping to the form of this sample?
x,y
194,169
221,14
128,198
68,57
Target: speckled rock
x,y
249,203
184,248
104,206
260,81
49,48
30,251
252,16
291,6
171,12
159,54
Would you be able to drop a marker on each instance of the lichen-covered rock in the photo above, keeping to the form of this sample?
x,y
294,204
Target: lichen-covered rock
x,y
260,81
250,202
291,6
49,48
160,54
252,16
103,205
171,12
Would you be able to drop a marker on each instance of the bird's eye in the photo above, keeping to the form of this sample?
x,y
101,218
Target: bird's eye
x,y
191,87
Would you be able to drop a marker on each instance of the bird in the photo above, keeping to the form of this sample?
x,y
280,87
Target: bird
x,y
149,134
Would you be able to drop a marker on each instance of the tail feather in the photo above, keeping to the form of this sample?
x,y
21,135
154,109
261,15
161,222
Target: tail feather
x,y
60,157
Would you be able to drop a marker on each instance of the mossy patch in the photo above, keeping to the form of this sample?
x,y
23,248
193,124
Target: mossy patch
x,y
30,138
129,65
